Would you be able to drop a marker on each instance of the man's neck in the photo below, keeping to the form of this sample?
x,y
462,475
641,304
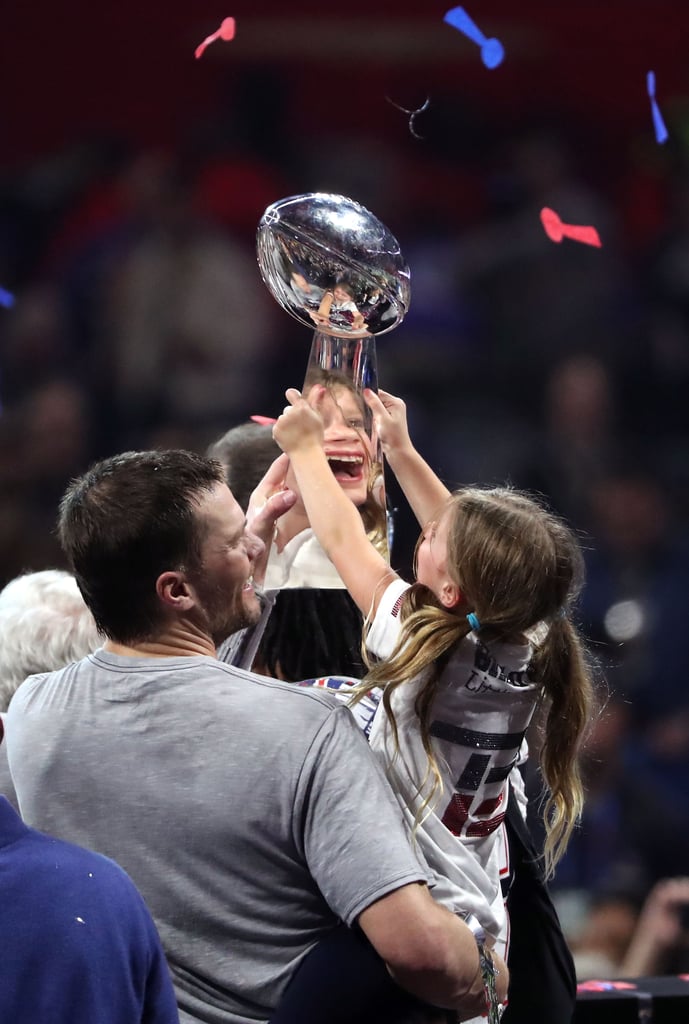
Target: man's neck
x,y
180,641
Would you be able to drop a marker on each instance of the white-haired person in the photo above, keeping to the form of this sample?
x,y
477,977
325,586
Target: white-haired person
x,y
44,625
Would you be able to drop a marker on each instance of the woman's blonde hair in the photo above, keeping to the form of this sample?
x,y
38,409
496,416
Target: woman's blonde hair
x,y
519,569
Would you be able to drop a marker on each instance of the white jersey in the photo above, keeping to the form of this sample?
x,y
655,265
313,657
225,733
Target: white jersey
x,y
342,686
483,705
301,563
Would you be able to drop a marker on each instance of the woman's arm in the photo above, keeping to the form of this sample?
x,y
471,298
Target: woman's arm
x,y
423,489
659,929
333,518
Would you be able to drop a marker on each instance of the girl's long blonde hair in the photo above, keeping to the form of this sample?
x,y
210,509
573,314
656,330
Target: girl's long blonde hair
x,y
519,568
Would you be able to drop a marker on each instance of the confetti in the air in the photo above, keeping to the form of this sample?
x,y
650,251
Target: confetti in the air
x,y
492,50
658,123
556,230
6,298
413,114
264,421
226,32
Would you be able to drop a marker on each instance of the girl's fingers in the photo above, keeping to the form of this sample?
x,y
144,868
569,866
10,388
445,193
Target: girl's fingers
x,y
373,401
387,398
293,395
383,401
316,396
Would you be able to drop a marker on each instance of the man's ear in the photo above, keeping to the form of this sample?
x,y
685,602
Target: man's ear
x,y
450,594
175,591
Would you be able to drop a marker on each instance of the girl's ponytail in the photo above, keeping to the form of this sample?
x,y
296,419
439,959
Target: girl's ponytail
x,y
560,665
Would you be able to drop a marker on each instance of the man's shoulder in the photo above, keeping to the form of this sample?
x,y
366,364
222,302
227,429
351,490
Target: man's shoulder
x,y
303,700
196,689
77,861
39,681
211,681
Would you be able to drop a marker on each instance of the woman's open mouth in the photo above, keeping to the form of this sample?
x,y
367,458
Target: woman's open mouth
x,y
346,468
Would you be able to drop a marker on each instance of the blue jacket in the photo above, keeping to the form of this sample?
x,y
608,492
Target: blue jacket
x,y
78,945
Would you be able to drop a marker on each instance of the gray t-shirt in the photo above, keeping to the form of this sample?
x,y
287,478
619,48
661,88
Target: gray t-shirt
x,y
250,813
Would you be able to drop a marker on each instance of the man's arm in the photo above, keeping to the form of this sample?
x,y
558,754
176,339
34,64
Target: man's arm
x,y
430,951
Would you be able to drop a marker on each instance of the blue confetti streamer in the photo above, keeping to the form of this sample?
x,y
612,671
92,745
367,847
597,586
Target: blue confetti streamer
x,y
492,50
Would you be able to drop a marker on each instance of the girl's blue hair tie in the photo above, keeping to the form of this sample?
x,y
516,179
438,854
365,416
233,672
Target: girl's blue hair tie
x,y
473,621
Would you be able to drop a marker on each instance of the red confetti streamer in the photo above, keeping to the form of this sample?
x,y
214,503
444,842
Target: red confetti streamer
x,y
265,421
556,229
226,32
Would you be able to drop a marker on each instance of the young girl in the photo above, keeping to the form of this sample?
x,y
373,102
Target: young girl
x,y
464,655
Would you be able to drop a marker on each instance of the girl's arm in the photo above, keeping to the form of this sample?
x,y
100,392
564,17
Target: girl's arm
x,y
424,491
333,518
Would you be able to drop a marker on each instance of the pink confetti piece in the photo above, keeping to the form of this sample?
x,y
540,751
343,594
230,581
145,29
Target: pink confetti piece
x,y
225,32
556,230
264,421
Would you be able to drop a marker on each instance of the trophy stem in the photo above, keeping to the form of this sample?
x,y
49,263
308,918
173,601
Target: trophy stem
x,y
350,363
354,358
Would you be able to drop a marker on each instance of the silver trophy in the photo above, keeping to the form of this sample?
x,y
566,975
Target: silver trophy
x,y
332,265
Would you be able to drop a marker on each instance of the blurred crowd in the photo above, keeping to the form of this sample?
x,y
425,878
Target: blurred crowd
x,y
140,320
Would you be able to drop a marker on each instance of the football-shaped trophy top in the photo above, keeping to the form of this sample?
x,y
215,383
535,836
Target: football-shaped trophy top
x,y
333,265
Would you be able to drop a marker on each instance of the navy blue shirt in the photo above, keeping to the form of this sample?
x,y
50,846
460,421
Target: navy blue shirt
x,y
78,943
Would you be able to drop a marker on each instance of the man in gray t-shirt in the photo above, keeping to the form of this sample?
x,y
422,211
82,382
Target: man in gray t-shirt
x,y
250,814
